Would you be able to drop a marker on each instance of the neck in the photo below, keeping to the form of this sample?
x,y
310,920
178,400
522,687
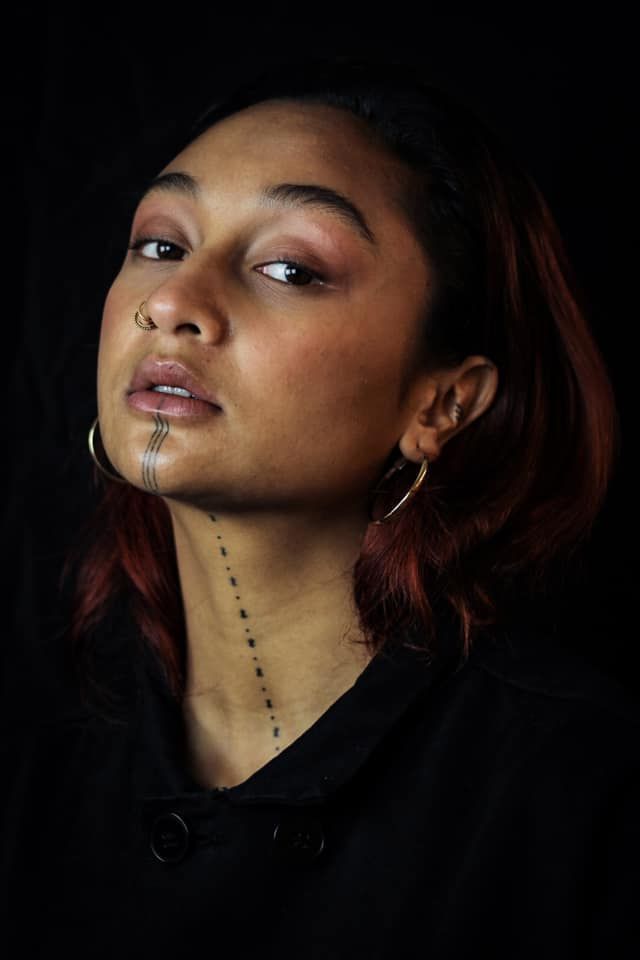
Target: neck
x,y
270,620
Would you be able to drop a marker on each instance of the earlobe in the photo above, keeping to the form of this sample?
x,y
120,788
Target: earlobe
x,y
415,446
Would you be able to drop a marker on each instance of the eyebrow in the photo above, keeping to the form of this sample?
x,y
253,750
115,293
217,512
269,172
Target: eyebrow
x,y
282,194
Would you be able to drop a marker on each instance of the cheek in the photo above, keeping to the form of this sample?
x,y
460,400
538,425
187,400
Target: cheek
x,y
116,308
333,380
114,341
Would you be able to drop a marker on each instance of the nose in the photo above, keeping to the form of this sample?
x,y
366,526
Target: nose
x,y
179,310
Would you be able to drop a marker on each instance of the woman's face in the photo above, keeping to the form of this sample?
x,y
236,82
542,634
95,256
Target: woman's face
x,y
310,365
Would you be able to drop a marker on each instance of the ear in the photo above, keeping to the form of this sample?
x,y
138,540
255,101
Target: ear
x,y
444,403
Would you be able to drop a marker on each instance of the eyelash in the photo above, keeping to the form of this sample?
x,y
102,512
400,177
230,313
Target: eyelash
x,y
285,258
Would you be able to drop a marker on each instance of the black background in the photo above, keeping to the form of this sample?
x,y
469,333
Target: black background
x,y
87,104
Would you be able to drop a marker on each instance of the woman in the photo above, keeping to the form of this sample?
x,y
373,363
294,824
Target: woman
x,y
349,408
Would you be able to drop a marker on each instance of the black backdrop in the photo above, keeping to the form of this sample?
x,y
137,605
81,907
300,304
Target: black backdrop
x,y
79,96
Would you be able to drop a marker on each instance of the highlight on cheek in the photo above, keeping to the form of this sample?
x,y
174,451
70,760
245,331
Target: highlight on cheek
x,y
150,457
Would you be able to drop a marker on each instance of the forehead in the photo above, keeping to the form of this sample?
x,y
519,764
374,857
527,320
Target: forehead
x,y
284,140
291,125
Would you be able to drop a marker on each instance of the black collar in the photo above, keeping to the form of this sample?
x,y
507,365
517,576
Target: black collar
x,y
322,759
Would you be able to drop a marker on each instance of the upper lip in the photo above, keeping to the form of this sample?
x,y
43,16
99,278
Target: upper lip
x,y
151,372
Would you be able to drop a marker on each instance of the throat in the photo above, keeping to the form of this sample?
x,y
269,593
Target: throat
x,y
215,764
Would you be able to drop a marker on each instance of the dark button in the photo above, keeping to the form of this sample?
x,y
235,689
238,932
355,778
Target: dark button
x,y
299,839
169,837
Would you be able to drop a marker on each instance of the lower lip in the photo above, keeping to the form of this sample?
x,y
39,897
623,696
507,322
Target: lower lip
x,y
154,401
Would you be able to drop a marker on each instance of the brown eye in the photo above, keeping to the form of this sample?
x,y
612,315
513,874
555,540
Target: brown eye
x,y
293,273
160,244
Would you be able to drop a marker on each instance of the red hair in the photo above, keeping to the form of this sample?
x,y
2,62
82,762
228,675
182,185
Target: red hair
x,y
513,497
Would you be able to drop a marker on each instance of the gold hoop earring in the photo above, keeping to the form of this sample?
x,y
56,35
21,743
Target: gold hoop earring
x,y
145,323
107,473
415,486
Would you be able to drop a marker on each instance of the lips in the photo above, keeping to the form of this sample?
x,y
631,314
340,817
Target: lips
x,y
173,373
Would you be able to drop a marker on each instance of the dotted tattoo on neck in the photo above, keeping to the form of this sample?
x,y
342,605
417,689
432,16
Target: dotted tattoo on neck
x,y
247,634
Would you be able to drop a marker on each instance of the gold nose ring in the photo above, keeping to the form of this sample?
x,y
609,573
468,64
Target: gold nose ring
x,y
145,323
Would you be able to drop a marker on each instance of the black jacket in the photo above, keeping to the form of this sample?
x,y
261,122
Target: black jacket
x,y
430,812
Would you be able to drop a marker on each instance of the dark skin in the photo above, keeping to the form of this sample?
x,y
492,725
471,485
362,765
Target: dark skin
x,y
317,383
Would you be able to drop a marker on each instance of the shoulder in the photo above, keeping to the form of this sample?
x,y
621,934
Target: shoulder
x,y
44,685
552,740
539,663
51,735
571,723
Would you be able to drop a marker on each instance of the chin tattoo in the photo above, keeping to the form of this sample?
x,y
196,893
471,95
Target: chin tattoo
x,y
150,458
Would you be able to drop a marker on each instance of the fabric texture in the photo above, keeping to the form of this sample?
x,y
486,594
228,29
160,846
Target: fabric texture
x,y
433,809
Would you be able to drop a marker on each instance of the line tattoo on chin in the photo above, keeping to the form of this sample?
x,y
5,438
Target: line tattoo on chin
x,y
249,639
150,457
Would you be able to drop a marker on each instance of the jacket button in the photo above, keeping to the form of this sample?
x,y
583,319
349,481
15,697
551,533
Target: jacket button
x,y
169,838
299,839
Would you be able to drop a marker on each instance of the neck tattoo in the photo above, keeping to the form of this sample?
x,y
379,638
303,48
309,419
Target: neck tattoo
x,y
249,641
149,460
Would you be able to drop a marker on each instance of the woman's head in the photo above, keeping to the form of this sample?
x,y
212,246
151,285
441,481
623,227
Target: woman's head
x,y
320,370
452,285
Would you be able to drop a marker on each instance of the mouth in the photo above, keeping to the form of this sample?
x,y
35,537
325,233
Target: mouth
x,y
168,386
174,391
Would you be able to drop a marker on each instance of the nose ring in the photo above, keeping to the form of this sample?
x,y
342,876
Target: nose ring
x,y
145,323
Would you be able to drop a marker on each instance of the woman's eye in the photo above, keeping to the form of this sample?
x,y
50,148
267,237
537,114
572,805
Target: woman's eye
x,y
158,242
292,273
289,272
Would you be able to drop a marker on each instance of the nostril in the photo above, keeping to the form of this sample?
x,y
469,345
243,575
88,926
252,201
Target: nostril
x,y
192,327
